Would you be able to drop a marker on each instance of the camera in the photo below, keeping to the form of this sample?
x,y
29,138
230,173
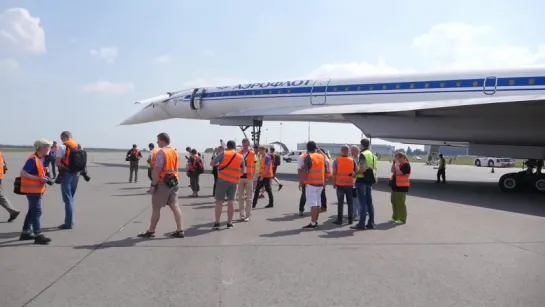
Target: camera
x,y
50,182
85,176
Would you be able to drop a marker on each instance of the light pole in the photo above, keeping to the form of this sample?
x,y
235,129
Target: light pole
x,y
280,132
266,136
308,132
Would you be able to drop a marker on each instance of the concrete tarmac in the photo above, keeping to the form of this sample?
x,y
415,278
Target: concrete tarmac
x,y
465,244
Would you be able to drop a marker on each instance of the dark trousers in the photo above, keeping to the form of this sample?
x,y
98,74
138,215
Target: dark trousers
x,y
342,193
149,174
215,174
133,169
194,182
264,182
441,174
32,218
303,199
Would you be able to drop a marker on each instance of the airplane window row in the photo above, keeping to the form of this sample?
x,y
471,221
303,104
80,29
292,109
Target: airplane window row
x,y
420,85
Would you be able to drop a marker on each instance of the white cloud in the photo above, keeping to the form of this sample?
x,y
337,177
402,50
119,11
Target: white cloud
x,y
108,54
107,87
20,33
8,65
162,59
463,46
450,46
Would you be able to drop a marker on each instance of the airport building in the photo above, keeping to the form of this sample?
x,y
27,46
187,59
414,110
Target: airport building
x,y
450,151
335,148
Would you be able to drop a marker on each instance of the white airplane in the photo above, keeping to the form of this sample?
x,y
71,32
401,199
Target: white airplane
x,y
498,113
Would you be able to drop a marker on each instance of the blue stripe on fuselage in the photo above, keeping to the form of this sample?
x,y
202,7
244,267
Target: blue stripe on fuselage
x,y
417,87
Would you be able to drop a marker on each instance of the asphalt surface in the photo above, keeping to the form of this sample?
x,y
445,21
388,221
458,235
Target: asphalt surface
x,y
465,244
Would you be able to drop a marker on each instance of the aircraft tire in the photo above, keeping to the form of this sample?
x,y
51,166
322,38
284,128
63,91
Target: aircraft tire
x,y
510,182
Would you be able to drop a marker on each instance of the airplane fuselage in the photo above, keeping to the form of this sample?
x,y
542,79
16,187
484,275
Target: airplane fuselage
x,y
215,102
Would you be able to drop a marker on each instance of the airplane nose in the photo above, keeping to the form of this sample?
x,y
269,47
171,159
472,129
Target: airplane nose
x,y
149,113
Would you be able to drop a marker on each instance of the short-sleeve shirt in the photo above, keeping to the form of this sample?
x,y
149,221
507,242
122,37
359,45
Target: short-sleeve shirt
x,y
219,159
30,166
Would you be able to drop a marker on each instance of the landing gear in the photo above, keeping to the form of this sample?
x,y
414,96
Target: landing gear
x,y
256,132
531,178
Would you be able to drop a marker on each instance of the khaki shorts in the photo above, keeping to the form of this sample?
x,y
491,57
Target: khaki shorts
x,y
164,196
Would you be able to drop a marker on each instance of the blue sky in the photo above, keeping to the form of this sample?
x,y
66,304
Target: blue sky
x,y
139,49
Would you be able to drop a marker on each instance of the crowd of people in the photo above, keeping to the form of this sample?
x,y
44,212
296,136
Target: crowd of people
x,y
242,176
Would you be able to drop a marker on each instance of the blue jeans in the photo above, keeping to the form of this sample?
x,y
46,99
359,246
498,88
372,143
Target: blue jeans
x,y
365,199
34,214
69,185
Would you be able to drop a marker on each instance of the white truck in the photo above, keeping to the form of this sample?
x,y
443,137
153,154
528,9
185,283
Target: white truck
x,y
494,162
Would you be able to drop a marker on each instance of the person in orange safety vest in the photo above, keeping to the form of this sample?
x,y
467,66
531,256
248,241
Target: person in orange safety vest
x,y
399,182
266,175
4,201
344,171
34,177
313,177
245,187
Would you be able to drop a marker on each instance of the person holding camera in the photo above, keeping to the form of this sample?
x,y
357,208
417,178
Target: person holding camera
x,y
164,187
71,162
34,177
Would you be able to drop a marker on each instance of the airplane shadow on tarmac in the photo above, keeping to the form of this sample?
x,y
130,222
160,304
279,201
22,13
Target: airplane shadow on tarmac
x,y
477,194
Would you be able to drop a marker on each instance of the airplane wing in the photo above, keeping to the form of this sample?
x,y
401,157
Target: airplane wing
x,y
380,107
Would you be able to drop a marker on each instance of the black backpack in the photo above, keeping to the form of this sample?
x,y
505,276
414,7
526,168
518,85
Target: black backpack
x,y
198,166
77,160
277,160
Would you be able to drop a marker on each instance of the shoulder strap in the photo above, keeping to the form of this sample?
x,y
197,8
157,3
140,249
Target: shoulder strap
x,y
232,158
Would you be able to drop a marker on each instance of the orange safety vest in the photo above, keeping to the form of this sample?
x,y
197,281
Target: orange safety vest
x,y
29,186
2,165
230,172
345,170
250,163
69,144
402,181
171,165
154,152
263,166
316,174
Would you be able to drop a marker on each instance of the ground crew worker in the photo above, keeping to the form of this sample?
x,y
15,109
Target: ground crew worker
x,y
4,201
313,177
51,160
231,167
151,160
355,153
245,189
164,187
33,184
265,177
133,156
399,182
275,162
69,181
441,170
365,178
343,172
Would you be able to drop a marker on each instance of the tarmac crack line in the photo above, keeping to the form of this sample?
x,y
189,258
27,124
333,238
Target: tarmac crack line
x,y
85,257
514,244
